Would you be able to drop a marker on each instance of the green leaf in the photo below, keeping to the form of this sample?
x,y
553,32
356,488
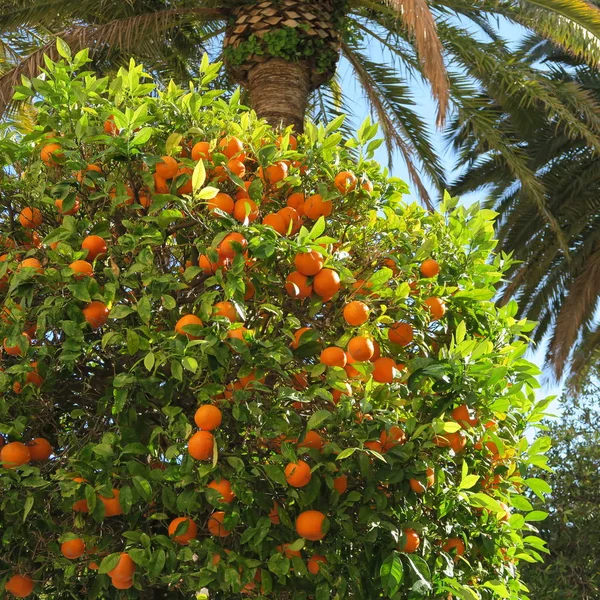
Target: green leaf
x,y
143,487
157,563
27,506
63,48
199,176
275,473
190,363
109,562
536,515
149,361
144,309
318,418
172,142
346,453
468,482
391,573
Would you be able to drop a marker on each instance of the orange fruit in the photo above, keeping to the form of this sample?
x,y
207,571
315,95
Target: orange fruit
x,y
226,246
124,569
208,417
298,474
72,211
429,268
121,584
96,314
287,551
345,181
95,246
167,167
309,263
456,545
297,337
224,488
316,207
39,449
356,313
188,320
337,394
296,201
394,437
201,150
232,147
333,357
418,487
215,524
31,263
276,222
14,454
274,173
81,175
223,202
383,371
297,286
366,185
82,269
289,215
237,167
112,506
73,549
225,309
51,154
340,484
313,563
200,445
326,284
30,218
292,142
361,348
465,416
274,514
15,350
109,127
309,525
401,333
245,210
374,445
412,541
207,266
312,440
160,185
20,585
436,307
189,534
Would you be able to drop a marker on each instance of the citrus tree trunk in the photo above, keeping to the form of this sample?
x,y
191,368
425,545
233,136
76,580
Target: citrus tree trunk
x,y
279,91
282,50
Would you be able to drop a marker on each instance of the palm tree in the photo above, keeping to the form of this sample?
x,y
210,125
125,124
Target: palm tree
x,y
557,281
285,53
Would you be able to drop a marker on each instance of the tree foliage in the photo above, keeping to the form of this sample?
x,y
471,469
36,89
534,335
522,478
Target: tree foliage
x,y
392,465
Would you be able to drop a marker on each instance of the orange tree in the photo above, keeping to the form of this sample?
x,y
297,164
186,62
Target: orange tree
x,y
235,360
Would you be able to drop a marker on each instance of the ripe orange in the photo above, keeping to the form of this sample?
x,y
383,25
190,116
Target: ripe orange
x,y
316,207
31,263
81,268
207,266
96,314
274,173
72,211
374,445
333,357
73,549
237,167
201,150
274,514
456,440
208,417
95,246
14,454
290,215
401,333
20,585
309,263
345,181
121,584
465,416
326,284
356,313
394,437
298,474
455,544
215,524
39,449
232,147
189,534
361,348
313,563
340,484
30,218
276,222
225,309
309,525
186,187
296,201
287,551
297,337
436,307
412,541
223,202
383,371
112,506
245,210
200,445
167,168
292,142
226,246
160,185
429,268
312,440
124,569
224,488
366,185
337,394
51,154
418,487
15,350
188,320
110,128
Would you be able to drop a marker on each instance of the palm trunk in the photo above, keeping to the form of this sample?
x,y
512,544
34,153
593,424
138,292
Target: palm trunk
x,y
279,92
282,50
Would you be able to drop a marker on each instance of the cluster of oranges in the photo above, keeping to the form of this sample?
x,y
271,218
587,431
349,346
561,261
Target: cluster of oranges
x,y
301,350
